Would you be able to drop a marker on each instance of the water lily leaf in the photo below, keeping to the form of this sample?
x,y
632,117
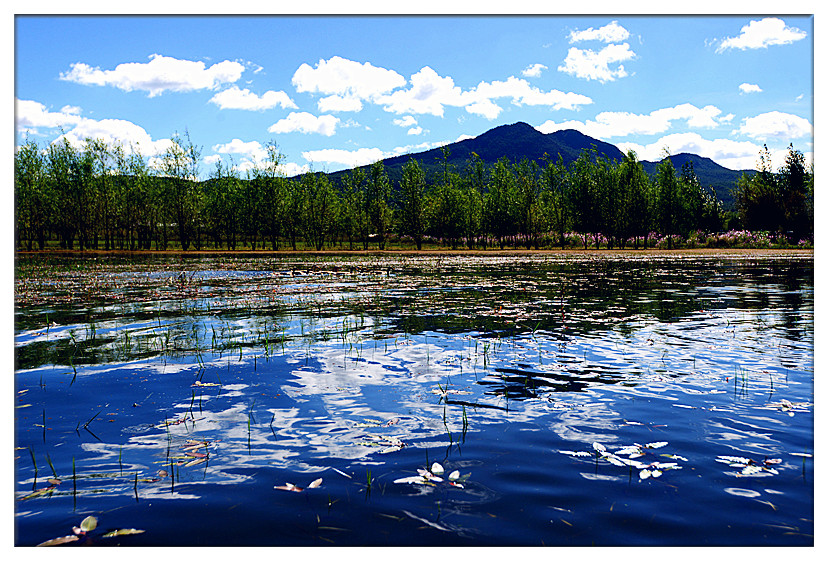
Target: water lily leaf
x,y
315,483
88,524
195,462
289,487
122,532
414,479
59,541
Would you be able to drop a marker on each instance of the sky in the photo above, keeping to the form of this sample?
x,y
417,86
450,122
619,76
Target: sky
x,y
335,92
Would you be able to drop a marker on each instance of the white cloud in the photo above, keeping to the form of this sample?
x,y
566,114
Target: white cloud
x,y
610,33
591,65
480,98
762,34
350,158
782,126
415,131
30,115
306,123
749,88
236,98
252,149
336,103
428,93
728,153
610,124
534,70
116,132
158,75
346,78
407,121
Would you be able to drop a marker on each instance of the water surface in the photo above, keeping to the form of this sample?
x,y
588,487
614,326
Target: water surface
x,y
582,400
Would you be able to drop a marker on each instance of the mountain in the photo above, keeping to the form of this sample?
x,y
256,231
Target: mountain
x,y
520,141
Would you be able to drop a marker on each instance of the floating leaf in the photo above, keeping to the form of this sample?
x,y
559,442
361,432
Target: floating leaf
x,y
315,483
195,462
122,532
414,479
59,541
88,524
289,487
656,444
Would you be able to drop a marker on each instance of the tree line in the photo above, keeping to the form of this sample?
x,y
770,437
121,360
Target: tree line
x,y
102,196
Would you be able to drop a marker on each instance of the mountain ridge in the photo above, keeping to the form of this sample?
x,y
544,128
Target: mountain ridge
x,y
518,141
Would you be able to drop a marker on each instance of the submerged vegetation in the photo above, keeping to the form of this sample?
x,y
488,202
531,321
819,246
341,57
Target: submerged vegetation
x,y
557,399
106,197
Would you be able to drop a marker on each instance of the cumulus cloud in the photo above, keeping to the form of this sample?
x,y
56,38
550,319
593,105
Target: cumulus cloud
x,y
610,33
158,75
337,103
749,88
350,158
252,149
346,79
777,125
592,65
762,34
728,153
407,121
534,70
306,123
29,116
609,124
236,98
428,94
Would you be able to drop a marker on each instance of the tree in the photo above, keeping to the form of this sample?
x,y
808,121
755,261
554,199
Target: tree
x,y
555,183
179,164
636,186
794,180
667,195
413,202
320,208
498,204
757,197
32,197
378,191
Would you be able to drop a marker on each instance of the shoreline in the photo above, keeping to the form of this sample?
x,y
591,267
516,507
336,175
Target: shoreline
x,y
411,252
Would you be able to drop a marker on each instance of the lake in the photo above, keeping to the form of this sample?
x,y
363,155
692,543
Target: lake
x,y
561,399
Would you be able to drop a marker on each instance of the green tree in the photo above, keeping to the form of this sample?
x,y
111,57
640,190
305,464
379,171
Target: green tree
x,y
33,200
667,198
413,202
636,186
179,164
499,203
794,180
320,208
377,194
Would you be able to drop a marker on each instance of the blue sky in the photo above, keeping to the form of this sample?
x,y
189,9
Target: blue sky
x,y
336,92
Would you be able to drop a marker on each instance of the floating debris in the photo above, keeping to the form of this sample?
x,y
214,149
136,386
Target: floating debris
x,y
653,469
432,477
296,489
748,467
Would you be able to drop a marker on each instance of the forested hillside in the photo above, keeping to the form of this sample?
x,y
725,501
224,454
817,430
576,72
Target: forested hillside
x,y
510,187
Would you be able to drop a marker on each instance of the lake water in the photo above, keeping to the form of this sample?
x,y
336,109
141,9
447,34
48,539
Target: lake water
x,y
567,400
